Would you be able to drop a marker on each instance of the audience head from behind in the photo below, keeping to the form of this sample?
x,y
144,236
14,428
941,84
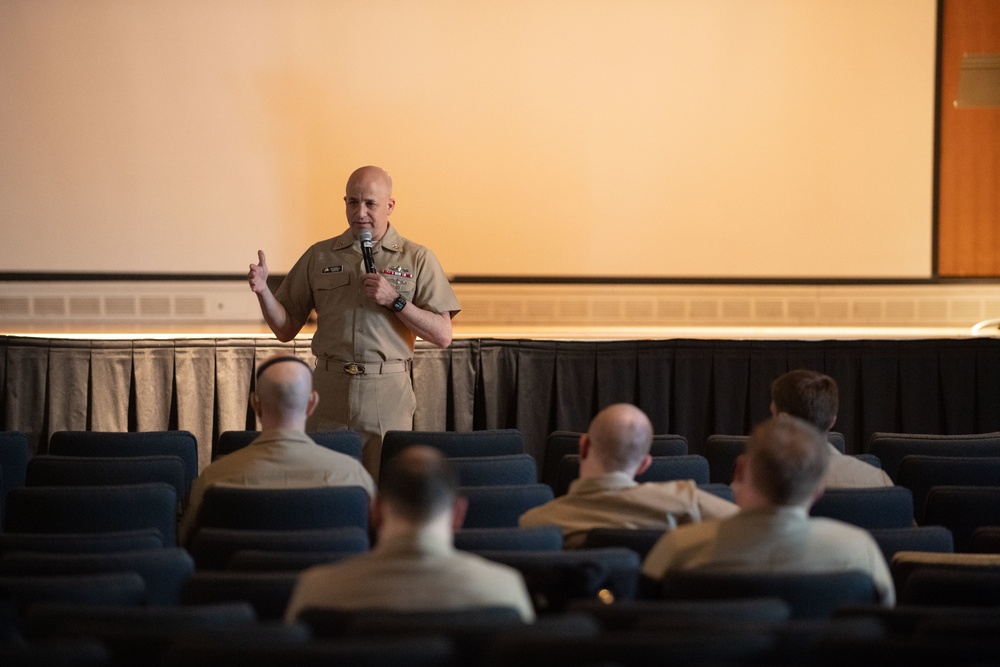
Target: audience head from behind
x,y
282,455
284,395
783,465
617,440
413,564
418,492
606,494
813,397
808,395
778,477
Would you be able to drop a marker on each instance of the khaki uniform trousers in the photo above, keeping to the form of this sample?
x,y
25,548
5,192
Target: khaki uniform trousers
x,y
377,401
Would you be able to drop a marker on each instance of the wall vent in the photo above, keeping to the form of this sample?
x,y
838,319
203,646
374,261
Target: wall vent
x,y
26,305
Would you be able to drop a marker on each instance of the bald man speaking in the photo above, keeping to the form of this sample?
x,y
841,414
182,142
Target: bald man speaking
x,y
367,321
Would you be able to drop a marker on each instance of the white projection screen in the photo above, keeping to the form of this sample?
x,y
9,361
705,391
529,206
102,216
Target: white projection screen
x,y
546,138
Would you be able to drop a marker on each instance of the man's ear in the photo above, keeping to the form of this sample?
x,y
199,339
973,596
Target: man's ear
x,y
739,470
583,447
742,492
255,403
375,513
458,511
313,402
644,466
818,493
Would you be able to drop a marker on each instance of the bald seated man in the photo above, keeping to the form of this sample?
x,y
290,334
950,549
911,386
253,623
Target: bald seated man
x,y
613,451
814,397
282,456
413,565
777,479
367,321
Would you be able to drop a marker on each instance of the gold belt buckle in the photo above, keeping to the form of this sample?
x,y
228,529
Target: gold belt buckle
x,y
354,368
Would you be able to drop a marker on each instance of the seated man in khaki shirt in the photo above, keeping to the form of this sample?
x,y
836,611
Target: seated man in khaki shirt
x,y
613,451
413,565
777,480
282,455
813,397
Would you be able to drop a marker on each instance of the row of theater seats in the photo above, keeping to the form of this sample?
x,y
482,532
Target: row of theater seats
x,y
251,548
699,619
953,480
733,632
884,449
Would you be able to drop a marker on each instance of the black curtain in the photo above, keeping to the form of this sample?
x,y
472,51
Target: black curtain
x,y
691,387
700,387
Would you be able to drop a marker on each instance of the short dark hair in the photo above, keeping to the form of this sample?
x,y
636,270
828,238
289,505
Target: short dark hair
x,y
787,457
808,395
419,483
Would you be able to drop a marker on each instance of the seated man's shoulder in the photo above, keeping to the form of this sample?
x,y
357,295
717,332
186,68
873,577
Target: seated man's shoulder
x,y
838,532
684,494
334,457
339,572
684,486
474,564
681,547
542,514
847,472
680,489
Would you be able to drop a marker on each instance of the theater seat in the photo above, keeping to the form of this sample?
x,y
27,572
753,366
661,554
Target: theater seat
x,y
146,443
501,506
532,538
453,444
93,509
879,507
267,592
931,539
962,509
163,570
554,578
311,508
510,469
638,540
920,473
890,448
345,441
213,548
564,443
107,471
810,595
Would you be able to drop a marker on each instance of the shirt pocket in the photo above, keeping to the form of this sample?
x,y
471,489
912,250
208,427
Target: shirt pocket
x,y
405,286
331,289
327,281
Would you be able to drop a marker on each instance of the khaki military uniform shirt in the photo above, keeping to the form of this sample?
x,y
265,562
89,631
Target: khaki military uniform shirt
x,y
847,472
278,458
350,326
616,500
784,539
410,573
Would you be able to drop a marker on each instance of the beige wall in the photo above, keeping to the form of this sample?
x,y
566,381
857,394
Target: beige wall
x,y
635,137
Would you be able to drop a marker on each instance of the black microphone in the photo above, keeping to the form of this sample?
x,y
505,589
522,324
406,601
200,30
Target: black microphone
x,y
366,250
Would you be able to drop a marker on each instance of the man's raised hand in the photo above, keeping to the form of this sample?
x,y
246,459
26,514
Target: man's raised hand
x,y
258,274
